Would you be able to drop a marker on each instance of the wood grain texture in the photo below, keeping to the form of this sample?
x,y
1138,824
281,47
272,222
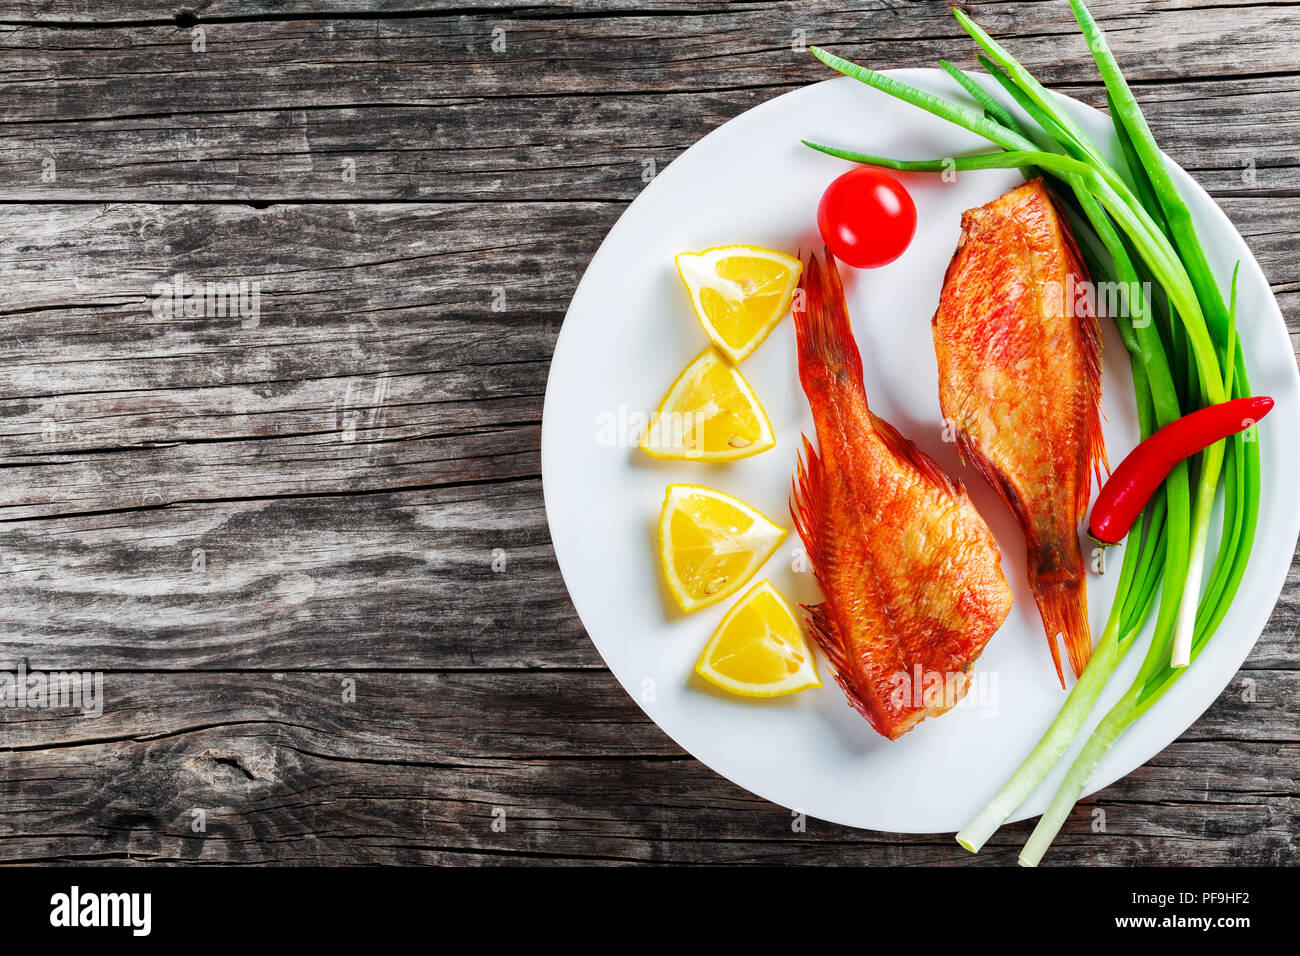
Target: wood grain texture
x,y
1237,137
283,769
239,522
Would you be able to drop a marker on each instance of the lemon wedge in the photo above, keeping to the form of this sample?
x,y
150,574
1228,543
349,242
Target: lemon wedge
x,y
710,544
740,293
709,414
758,650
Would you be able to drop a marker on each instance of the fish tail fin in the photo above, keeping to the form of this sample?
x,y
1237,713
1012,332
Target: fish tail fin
x,y
1057,575
1062,600
828,354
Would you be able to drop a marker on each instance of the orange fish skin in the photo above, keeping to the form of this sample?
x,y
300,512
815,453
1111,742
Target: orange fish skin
x,y
911,574
1020,383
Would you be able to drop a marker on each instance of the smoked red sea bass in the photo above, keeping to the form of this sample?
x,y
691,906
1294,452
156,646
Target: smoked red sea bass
x,y
1020,383
911,575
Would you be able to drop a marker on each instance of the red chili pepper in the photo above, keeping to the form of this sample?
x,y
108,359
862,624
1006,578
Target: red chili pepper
x,y
1132,484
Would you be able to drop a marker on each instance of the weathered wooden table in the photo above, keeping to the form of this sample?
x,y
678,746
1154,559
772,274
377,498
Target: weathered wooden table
x,y
304,542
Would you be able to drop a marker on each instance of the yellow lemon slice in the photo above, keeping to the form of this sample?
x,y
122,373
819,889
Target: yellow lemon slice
x,y
709,414
710,544
740,293
758,650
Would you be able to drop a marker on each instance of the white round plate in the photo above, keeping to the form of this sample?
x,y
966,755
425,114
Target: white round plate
x,y
630,330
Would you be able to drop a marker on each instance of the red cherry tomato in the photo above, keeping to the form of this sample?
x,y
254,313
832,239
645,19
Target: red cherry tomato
x,y
866,218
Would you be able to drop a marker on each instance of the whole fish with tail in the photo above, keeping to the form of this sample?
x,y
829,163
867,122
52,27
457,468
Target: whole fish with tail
x,y
1018,347
911,574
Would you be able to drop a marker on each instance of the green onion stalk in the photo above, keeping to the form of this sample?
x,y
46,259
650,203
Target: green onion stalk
x,y
1183,353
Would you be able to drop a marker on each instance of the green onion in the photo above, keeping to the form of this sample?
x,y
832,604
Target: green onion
x,y
954,113
1184,351
992,108
1155,677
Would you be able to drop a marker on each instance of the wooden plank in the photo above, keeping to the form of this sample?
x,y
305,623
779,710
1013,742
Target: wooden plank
x,y
1029,17
377,360
264,799
286,770
78,12
1276,646
70,74
408,716
1237,137
161,11
453,577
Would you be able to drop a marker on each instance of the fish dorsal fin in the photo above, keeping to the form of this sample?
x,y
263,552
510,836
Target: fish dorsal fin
x,y
1090,339
906,451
